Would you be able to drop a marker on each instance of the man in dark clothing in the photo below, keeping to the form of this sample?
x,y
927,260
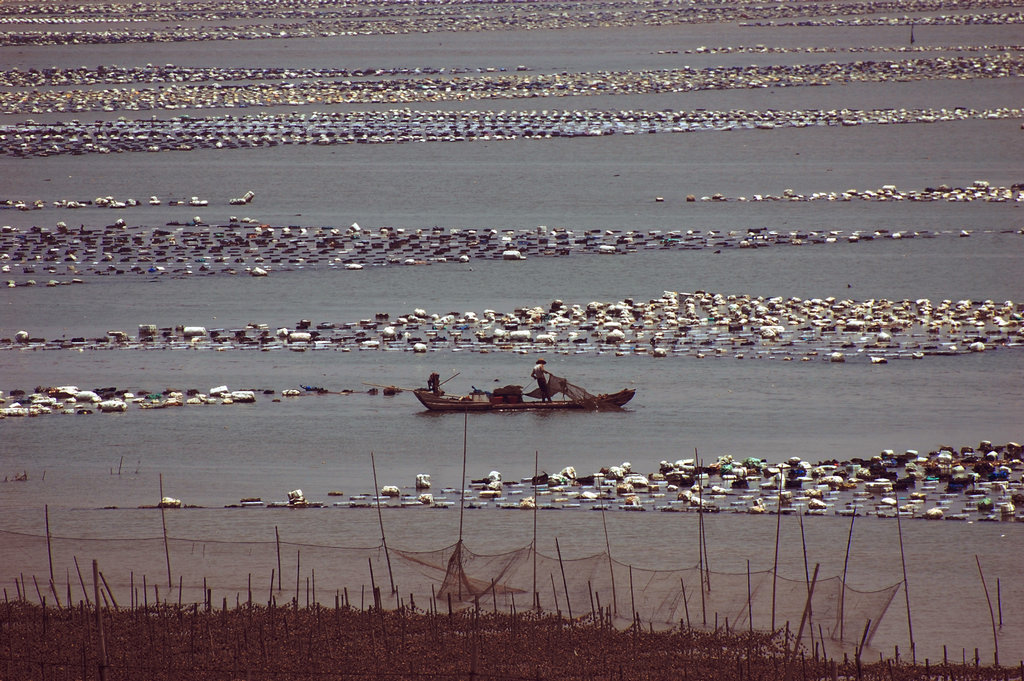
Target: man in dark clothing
x,y
540,373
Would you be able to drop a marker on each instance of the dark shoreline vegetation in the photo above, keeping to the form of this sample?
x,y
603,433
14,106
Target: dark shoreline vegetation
x,y
253,642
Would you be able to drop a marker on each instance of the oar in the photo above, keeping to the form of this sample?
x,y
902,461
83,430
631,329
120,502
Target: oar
x,y
448,379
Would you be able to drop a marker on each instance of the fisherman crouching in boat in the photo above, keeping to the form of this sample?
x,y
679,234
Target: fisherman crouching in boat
x,y
540,373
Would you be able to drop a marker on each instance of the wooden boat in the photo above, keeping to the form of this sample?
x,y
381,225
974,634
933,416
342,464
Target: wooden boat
x,y
484,402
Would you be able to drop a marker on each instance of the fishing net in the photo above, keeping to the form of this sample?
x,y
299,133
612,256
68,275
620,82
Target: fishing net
x,y
575,393
138,571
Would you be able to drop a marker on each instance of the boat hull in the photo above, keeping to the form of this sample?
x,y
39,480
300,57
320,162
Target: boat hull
x,y
461,404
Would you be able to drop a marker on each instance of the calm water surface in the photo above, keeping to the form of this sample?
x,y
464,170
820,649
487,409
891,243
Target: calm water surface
x,y
217,455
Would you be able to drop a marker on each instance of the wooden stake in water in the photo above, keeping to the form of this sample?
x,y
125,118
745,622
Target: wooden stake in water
x,y
842,586
991,614
163,522
380,519
803,543
686,605
807,577
750,610
999,601
703,530
99,621
565,585
778,531
277,539
536,463
49,552
906,586
632,601
81,581
700,525
804,617
611,569
462,480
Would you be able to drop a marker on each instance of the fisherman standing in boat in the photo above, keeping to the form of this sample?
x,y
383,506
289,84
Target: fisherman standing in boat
x,y
434,384
541,374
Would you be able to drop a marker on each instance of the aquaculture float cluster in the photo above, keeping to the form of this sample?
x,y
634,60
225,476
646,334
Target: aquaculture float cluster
x,y
64,254
216,20
399,126
493,83
115,74
972,483
980,190
697,324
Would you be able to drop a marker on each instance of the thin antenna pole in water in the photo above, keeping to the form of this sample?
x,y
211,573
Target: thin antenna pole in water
x,y
380,519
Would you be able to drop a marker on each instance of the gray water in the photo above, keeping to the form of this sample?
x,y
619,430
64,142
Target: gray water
x,y
817,410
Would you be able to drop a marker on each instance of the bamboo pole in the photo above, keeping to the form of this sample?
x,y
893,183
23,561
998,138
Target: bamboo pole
x,y
686,605
750,610
611,569
593,612
109,592
373,584
991,614
842,586
277,539
807,577
700,524
565,585
163,522
462,480
81,581
803,619
778,531
632,601
49,551
536,464
703,526
703,602
906,585
380,519
803,543
998,600
99,621
863,642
